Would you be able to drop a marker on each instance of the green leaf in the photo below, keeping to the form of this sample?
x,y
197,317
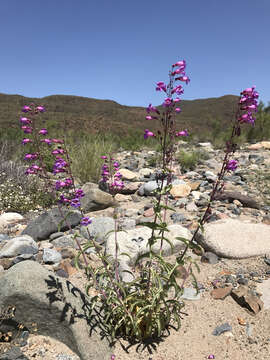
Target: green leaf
x,y
192,245
167,207
142,256
170,243
151,225
125,254
184,240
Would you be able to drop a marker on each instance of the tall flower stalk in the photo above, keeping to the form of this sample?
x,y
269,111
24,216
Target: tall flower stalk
x,y
246,109
62,189
166,136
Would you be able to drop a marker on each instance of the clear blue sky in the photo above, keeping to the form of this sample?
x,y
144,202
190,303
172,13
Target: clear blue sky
x,y
118,49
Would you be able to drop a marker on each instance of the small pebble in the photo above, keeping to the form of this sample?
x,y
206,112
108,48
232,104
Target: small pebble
x,y
221,329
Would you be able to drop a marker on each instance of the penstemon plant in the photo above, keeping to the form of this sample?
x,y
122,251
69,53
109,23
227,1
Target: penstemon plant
x,y
148,305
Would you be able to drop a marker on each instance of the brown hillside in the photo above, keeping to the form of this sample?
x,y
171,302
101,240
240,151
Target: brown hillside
x,y
92,115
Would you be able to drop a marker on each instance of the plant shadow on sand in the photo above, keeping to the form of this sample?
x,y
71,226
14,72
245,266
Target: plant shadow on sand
x,y
150,344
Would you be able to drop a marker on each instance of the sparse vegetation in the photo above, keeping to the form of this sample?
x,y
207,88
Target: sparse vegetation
x,y
17,192
189,160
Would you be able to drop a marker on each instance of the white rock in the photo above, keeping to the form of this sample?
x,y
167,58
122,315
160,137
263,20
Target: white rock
x,y
135,242
128,175
236,239
146,172
196,194
260,145
180,190
264,288
10,217
123,198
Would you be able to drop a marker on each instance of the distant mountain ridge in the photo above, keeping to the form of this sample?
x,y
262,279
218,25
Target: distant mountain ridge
x,y
92,115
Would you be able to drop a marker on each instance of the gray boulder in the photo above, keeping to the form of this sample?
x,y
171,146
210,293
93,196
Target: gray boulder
x,y
59,309
47,223
245,200
98,229
51,256
95,199
17,246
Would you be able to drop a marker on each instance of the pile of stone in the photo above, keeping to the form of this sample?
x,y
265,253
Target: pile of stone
x,y
36,256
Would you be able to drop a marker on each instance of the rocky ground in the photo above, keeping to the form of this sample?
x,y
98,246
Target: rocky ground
x,y
229,317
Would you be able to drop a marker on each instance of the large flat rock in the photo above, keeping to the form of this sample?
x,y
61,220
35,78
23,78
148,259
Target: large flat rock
x,y
235,239
59,309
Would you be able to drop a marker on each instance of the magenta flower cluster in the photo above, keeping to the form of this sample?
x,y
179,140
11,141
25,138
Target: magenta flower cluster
x,y
110,174
68,194
248,105
169,104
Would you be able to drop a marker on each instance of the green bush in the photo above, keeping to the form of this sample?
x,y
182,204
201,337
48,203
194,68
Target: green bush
x,y
189,160
85,157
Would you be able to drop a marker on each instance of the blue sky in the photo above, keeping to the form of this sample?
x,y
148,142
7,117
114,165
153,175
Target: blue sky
x,y
118,49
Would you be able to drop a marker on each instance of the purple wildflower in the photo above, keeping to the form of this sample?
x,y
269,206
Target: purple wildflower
x,y
85,221
68,182
181,63
43,132
63,199
148,134
40,109
231,165
79,193
30,156
25,121
57,141
75,203
26,141
33,169
46,141
184,78
182,133
167,102
59,184
151,108
26,109
58,151
27,129
178,90
161,86
149,117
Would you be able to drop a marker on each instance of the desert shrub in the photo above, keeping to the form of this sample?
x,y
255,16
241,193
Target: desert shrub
x,y
19,193
16,196
86,157
189,160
